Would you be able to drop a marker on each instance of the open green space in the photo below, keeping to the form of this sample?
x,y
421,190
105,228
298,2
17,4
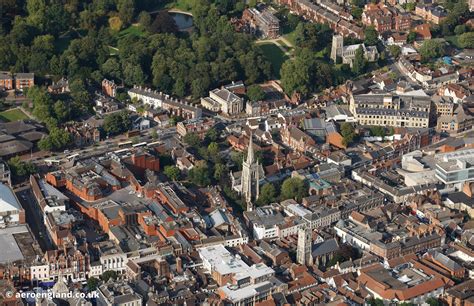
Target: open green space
x,y
276,57
289,33
136,30
13,115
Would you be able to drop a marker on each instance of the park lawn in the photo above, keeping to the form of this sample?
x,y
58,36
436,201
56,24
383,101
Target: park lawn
x,y
276,57
13,115
183,5
136,30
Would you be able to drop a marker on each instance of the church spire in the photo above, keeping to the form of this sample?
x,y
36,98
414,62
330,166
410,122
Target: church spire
x,y
250,155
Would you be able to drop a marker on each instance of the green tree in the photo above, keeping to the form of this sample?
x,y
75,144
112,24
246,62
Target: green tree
x,y
117,123
57,139
154,134
395,50
411,37
145,20
371,36
293,188
220,171
466,40
432,49
110,274
192,140
92,283
255,93
433,302
61,110
212,134
360,63
267,194
20,168
237,158
460,29
172,172
199,175
378,131
213,151
126,9
348,133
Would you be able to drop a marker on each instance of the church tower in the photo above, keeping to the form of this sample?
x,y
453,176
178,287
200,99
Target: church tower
x,y
337,46
250,177
304,247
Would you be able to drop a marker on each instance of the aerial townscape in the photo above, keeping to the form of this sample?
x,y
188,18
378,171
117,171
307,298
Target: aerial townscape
x,y
237,152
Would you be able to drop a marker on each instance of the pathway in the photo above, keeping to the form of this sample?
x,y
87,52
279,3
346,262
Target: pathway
x,y
277,41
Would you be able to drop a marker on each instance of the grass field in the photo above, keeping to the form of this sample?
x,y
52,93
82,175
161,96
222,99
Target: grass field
x,y
13,115
276,57
131,30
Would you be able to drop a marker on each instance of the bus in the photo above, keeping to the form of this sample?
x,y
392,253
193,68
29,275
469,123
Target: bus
x,y
125,144
121,151
152,144
51,162
73,156
141,144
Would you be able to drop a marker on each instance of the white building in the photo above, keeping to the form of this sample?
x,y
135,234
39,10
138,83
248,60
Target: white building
x,y
11,212
455,167
229,102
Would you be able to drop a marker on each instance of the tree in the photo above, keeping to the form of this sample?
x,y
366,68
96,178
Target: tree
x,y
192,139
371,36
348,133
92,283
432,48
377,131
237,158
164,23
20,168
57,139
293,188
117,123
255,93
433,302
213,151
108,275
115,23
212,134
126,9
172,172
145,20
61,110
360,63
220,170
199,175
267,194
394,50
411,37
460,29
466,40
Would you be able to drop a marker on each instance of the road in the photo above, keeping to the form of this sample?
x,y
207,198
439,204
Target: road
x,y
33,218
107,145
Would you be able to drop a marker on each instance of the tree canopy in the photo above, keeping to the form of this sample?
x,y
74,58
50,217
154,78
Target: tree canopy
x,y
293,188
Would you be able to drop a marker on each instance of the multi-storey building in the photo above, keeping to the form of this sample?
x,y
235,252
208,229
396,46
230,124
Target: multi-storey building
x,y
6,80
455,167
262,23
197,126
336,19
229,102
109,88
391,110
24,80
431,13
181,108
